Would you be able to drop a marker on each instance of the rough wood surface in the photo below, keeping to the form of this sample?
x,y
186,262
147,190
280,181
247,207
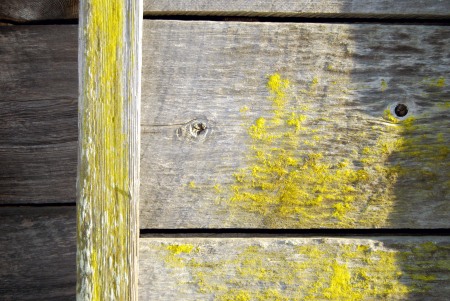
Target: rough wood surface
x,y
293,125
394,268
37,10
303,8
109,130
38,114
38,62
37,253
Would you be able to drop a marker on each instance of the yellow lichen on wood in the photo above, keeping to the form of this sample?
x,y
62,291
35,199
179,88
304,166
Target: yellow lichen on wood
x,y
314,269
383,85
109,150
435,82
295,177
294,187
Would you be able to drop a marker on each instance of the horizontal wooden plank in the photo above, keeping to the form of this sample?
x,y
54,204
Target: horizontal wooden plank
x,y
284,125
35,36
39,62
38,113
395,268
303,8
37,10
37,253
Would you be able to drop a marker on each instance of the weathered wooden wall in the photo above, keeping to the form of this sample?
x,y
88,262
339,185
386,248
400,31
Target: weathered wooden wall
x,y
38,110
331,153
37,253
38,151
217,73
274,125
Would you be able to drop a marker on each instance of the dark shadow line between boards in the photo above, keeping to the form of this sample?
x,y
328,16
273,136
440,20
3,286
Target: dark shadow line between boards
x,y
236,232
442,21
56,204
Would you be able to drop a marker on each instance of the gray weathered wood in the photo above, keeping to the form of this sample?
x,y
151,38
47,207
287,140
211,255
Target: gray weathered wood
x,y
302,8
55,57
37,10
38,62
38,114
394,268
344,80
37,253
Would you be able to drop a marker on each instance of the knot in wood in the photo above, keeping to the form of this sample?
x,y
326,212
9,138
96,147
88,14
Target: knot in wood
x,y
195,130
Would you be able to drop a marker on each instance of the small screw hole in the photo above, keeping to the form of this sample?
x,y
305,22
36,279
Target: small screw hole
x,y
401,110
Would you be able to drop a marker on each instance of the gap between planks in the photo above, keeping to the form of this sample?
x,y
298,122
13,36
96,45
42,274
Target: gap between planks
x,y
235,233
323,20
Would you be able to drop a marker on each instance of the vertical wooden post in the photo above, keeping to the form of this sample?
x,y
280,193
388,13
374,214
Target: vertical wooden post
x,y
108,166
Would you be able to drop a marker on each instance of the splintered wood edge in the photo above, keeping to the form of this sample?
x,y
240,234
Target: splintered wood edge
x,y
108,166
304,8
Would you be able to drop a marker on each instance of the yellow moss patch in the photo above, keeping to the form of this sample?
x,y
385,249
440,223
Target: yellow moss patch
x,y
192,185
389,117
244,109
317,271
175,257
177,249
290,185
296,174
383,85
340,284
435,82
445,105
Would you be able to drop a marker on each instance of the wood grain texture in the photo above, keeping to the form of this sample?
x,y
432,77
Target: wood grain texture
x,y
109,130
300,126
37,253
38,62
38,114
304,8
395,268
38,10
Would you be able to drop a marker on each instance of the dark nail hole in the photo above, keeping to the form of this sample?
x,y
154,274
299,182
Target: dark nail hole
x,y
401,110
